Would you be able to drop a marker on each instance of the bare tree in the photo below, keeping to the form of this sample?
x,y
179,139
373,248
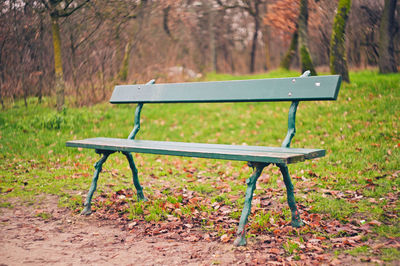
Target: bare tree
x,y
288,58
305,58
167,40
387,62
338,58
58,9
283,16
253,9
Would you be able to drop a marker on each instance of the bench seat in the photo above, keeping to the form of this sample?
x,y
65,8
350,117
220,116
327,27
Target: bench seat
x,y
214,151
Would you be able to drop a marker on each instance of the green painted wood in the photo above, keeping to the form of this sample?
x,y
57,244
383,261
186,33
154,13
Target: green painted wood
x,y
277,89
215,151
138,110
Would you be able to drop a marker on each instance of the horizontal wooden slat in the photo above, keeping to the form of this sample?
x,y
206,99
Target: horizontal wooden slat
x,y
215,151
277,89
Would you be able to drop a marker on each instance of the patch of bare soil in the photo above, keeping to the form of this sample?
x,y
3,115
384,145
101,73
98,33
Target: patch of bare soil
x,y
68,239
55,236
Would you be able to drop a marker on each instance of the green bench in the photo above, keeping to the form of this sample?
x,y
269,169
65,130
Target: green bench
x,y
297,89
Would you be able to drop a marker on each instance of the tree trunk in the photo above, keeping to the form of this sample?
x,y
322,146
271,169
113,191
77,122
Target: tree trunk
x,y
25,90
305,58
2,78
102,78
40,89
59,75
213,47
255,37
39,66
2,102
74,68
123,72
287,59
387,62
266,38
338,57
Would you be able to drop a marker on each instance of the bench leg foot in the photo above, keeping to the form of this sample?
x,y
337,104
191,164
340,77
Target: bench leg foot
x,y
296,220
98,167
139,188
251,185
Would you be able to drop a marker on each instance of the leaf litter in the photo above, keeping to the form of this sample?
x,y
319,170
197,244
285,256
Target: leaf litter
x,y
314,243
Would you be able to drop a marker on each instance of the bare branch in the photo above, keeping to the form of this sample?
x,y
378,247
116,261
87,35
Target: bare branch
x,y
45,4
89,35
230,6
68,3
68,12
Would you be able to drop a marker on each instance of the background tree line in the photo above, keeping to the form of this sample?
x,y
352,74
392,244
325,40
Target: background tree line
x,y
82,48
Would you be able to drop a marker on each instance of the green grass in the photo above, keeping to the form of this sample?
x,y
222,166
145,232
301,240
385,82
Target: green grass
x,y
361,250
291,247
386,254
390,254
44,215
358,177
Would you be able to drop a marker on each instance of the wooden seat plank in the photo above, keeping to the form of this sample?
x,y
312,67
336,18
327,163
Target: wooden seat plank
x,y
215,151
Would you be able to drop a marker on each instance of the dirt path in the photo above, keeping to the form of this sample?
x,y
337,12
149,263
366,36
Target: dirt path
x,y
68,239
59,237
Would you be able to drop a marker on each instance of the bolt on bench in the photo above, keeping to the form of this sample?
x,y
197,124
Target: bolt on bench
x,y
303,88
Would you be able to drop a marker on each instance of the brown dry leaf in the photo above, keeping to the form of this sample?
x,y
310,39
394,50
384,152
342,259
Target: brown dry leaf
x,y
192,238
313,247
207,237
277,232
156,232
335,262
378,246
169,205
322,257
225,238
314,241
195,200
347,240
274,251
375,222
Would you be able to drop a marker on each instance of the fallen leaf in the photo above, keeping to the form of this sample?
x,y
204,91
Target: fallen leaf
x,y
225,238
375,222
378,246
274,251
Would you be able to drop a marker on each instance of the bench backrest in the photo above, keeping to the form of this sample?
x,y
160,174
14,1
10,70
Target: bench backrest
x,y
303,88
259,90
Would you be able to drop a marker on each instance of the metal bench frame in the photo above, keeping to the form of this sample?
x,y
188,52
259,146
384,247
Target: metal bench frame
x,y
251,182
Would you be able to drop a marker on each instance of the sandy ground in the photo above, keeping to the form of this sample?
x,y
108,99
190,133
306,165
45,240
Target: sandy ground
x,y
69,239
65,238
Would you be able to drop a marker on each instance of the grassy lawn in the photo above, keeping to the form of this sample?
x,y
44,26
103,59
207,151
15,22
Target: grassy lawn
x,y
356,185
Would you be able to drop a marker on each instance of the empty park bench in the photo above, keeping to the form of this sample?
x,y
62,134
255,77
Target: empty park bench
x,y
303,88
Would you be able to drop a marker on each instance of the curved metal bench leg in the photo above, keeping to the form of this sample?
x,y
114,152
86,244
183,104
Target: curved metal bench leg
x,y
251,186
296,220
98,166
135,178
